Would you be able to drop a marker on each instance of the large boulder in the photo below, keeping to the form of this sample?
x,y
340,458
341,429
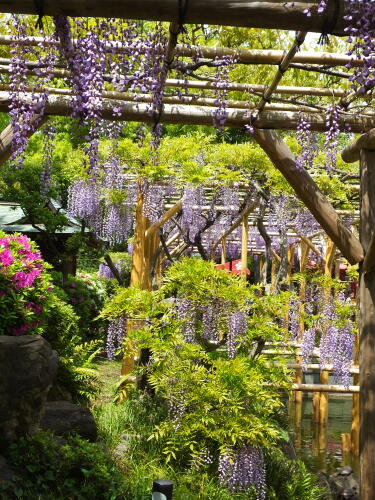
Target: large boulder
x,y
63,417
28,366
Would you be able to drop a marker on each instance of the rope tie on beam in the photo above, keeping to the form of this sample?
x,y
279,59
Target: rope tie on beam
x,y
330,23
39,7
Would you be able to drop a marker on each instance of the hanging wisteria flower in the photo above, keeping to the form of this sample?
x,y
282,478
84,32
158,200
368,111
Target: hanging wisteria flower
x,y
237,326
305,223
187,315
294,314
242,468
307,144
192,202
343,356
307,346
331,137
26,113
115,336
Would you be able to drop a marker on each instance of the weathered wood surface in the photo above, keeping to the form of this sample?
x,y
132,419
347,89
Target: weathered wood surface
x,y
200,115
367,332
352,152
246,13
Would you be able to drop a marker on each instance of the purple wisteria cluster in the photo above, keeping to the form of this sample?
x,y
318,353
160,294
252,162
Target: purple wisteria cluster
x,y
26,113
237,326
186,314
336,345
361,37
192,206
210,320
331,137
154,199
307,346
106,205
115,335
177,408
307,143
242,468
305,223
221,85
294,314
106,272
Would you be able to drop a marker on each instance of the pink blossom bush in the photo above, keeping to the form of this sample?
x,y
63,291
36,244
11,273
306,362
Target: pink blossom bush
x,y
24,286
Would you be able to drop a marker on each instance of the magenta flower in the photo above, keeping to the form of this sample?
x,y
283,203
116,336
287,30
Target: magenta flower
x,y
2,293
6,257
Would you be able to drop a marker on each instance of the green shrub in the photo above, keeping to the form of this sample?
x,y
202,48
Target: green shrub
x,y
45,469
86,294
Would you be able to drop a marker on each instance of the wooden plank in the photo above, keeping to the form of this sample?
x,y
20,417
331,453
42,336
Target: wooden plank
x,y
367,332
261,14
308,192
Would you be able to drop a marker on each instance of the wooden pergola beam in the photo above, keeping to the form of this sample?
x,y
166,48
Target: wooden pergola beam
x,y
245,13
196,115
241,55
352,152
309,193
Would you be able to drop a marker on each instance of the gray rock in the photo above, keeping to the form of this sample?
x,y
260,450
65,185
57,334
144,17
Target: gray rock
x,y
27,369
64,417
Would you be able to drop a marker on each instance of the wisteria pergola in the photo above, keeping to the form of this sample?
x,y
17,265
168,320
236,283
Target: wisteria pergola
x,y
276,107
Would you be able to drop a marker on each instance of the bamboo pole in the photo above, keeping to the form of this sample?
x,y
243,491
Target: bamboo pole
x,y
262,14
200,115
283,66
326,388
273,275
301,326
191,100
223,251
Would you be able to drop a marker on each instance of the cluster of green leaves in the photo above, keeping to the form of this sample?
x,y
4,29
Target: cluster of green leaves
x,y
225,402
46,469
86,293
125,429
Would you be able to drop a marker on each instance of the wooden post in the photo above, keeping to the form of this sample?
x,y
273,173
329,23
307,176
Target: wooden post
x,y
302,293
144,249
223,251
324,374
244,240
367,332
291,250
354,432
273,275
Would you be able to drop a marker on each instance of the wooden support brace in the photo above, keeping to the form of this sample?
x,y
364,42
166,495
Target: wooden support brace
x,y
309,193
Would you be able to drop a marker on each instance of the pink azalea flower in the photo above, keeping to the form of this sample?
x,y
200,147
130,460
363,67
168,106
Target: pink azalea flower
x,y
6,257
